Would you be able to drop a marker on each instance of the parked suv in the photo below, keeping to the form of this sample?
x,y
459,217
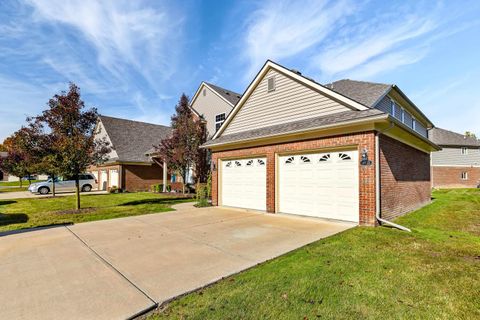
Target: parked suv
x,y
87,183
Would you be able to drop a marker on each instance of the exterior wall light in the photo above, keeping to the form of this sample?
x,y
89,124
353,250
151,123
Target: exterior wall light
x,y
364,160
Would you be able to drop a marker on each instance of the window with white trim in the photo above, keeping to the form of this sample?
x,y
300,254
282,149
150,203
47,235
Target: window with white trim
x,y
464,150
414,124
464,175
219,120
403,115
393,107
305,159
290,160
324,158
271,84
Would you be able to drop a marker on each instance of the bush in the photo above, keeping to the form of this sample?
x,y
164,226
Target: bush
x,y
157,188
202,195
169,188
115,189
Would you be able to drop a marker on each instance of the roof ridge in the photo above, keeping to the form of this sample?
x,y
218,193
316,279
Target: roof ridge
x,y
116,118
217,86
362,81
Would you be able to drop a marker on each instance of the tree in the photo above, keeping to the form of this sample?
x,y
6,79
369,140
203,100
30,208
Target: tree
x,y
2,148
470,134
68,137
20,148
181,150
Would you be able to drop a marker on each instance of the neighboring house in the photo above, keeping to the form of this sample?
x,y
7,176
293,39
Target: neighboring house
x,y
213,104
128,167
349,151
457,165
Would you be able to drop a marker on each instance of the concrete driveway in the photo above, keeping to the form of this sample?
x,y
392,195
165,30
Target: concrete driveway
x,y
114,269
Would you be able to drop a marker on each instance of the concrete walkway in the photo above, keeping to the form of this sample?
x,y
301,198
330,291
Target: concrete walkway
x,y
114,269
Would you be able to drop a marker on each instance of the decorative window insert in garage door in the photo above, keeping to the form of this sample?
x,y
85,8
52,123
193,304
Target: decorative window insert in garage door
x,y
322,185
243,183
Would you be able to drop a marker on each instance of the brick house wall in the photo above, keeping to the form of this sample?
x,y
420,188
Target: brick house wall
x,y
404,178
366,174
451,177
141,178
132,177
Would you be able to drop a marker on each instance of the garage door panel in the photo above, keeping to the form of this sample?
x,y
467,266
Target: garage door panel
x,y
325,186
244,183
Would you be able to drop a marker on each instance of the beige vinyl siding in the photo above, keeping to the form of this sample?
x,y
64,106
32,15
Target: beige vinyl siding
x,y
209,106
452,156
100,134
290,101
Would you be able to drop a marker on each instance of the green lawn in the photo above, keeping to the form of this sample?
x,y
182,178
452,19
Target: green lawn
x,y
26,213
16,183
374,273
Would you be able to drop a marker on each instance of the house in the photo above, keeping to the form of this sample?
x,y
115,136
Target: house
x,y
128,167
457,165
213,103
350,150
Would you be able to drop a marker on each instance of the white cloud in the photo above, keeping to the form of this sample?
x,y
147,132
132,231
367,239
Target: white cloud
x,y
125,34
281,29
360,49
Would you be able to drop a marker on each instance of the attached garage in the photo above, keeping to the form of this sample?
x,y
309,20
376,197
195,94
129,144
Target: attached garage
x,y
243,183
325,154
321,185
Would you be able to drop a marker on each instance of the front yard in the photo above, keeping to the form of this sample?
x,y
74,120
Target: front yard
x,y
26,213
375,273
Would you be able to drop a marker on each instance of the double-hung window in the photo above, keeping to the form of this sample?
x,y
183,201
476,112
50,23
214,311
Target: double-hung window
x,y
219,119
464,150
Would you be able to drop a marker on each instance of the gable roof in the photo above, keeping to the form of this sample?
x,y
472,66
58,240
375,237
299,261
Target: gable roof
x,y
231,96
367,93
132,139
444,137
354,105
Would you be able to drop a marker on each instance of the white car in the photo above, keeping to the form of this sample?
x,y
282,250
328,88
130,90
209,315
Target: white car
x,y
87,183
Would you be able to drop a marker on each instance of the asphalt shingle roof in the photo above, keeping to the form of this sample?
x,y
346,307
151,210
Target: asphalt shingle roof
x,y
132,139
366,93
294,126
229,95
444,137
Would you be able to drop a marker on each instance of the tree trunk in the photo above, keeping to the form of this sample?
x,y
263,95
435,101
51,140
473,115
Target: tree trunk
x,y
77,191
53,185
20,182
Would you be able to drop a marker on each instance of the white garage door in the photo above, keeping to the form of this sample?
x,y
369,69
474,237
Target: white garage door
x,y
320,185
113,178
244,183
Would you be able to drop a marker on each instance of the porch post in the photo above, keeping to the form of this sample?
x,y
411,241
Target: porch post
x,y
165,176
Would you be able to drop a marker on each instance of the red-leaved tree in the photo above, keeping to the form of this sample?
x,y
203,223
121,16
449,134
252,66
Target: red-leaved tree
x,y
181,150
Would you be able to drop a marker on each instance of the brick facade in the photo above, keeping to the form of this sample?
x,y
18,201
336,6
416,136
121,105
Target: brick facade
x,y
366,173
451,177
404,178
132,177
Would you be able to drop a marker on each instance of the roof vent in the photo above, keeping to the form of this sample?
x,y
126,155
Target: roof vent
x,y
296,71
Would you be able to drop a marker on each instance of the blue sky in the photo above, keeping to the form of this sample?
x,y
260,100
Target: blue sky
x,y
133,59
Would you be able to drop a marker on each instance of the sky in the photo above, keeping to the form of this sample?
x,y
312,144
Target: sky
x,y
133,59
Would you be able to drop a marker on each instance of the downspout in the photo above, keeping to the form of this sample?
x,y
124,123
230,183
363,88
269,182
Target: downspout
x,y
377,182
